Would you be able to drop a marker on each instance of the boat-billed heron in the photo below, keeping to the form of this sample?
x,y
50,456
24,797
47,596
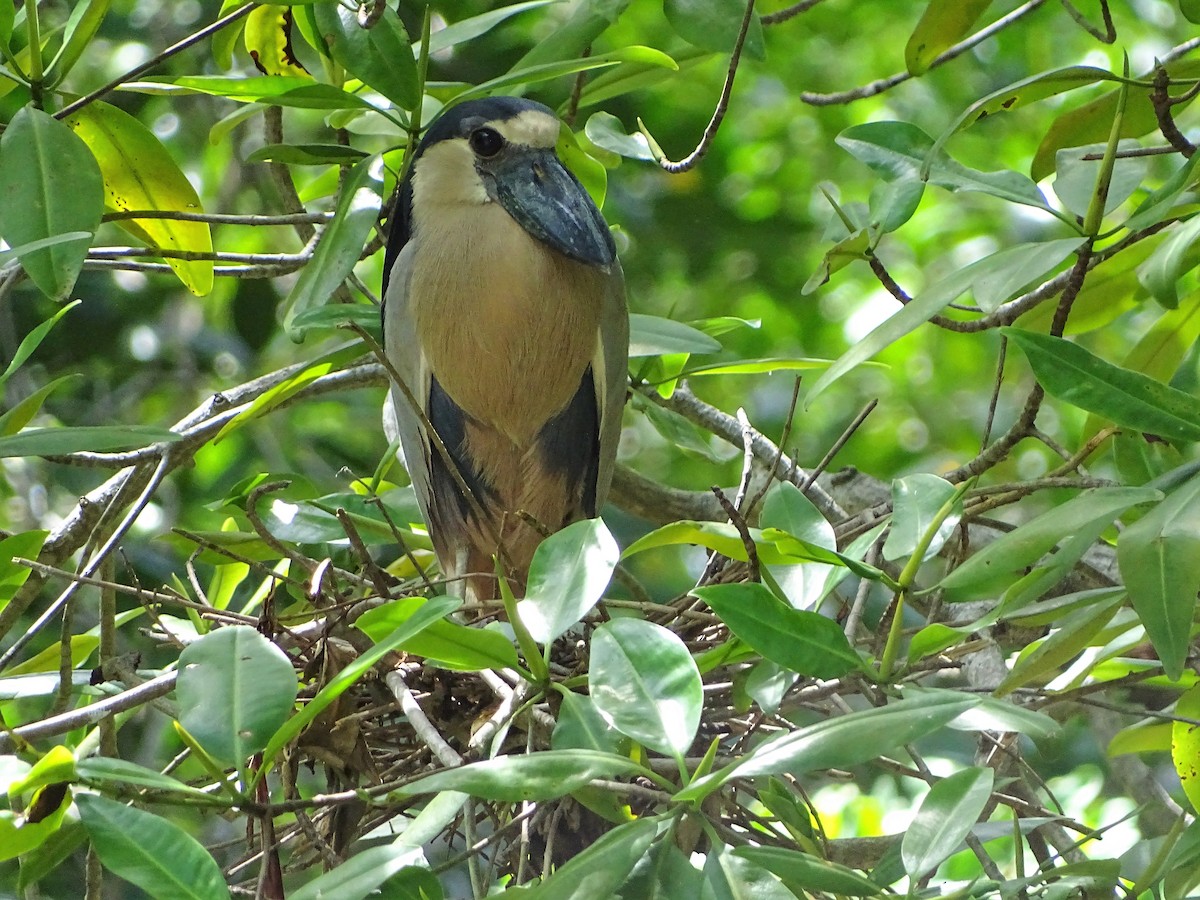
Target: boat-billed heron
x,y
504,314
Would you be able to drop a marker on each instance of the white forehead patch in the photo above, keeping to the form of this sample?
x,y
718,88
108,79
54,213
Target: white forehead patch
x,y
531,128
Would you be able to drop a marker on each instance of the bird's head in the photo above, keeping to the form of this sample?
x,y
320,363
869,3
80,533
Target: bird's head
x,y
502,150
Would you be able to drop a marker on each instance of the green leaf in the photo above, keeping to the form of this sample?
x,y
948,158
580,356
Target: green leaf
x,y
991,276
1169,262
1001,562
1185,745
19,836
600,869
522,76
897,150
81,27
570,571
101,770
468,29
138,174
149,851
94,438
1159,558
445,644
646,685
431,611
1076,178
1025,91
268,39
606,132
535,776
581,727
574,36
235,689
946,816
730,877
943,24
1074,632
23,412
810,872
273,90
363,874
1130,399
916,502
57,765
1001,276
27,545
839,742
341,243
1143,737
49,185
307,155
379,56
1158,204
1092,122
655,336
804,642
714,25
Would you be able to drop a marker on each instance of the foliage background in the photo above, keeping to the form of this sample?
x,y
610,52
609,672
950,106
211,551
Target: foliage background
x,y
740,234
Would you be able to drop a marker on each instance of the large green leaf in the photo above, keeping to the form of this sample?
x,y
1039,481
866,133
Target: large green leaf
x,y
570,571
1159,557
581,727
944,819
468,29
943,24
444,643
139,174
804,642
49,185
654,336
342,242
714,25
379,56
235,689
839,742
1170,261
732,877
363,874
273,90
1001,562
94,438
810,872
1130,399
646,685
101,770
916,502
149,851
1074,632
600,869
536,776
26,545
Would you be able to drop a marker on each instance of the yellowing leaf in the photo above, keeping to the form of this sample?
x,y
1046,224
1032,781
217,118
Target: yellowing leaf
x,y
139,173
1185,745
268,39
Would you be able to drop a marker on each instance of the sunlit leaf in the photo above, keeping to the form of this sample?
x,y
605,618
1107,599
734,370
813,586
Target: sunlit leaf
x,y
140,174
268,37
944,819
567,577
646,684
1185,745
379,55
446,644
943,24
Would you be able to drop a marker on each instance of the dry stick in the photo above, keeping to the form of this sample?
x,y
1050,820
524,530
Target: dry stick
x,y
1162,102
777,18
714,124
154,61
884,84
995,400
373,571
837,445
739,523
748,509
1108,35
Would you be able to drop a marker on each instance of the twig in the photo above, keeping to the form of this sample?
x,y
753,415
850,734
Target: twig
x,y
739,523
154,61
841,442
1108,35
783,15
425,730
88,715
884,84
714,124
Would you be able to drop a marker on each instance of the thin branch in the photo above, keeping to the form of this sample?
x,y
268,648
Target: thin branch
x,y
783,15
884,84
154,61
714,124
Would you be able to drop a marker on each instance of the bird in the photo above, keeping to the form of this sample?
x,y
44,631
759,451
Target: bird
x,y
505,318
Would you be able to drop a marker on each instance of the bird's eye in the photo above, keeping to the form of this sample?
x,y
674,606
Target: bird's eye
x,y
486,142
